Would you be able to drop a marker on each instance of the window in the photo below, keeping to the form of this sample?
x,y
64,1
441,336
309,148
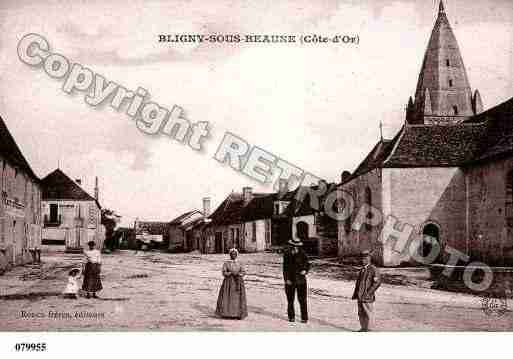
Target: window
x,y
302,230
455,109
268,231
368,202
450,83
253,235
447,62
277,208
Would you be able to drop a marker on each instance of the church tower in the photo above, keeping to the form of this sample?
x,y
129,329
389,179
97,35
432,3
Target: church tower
x,y
443,95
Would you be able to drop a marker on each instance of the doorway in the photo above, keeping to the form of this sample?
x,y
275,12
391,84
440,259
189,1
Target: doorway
x,y
430,236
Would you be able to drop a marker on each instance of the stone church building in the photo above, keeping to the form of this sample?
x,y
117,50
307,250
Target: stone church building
x,y
448,172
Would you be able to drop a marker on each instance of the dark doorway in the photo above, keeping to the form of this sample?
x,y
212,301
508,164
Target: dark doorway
x,y
54,213
431,232
219,242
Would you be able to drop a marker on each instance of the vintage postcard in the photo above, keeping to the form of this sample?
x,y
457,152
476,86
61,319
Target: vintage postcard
x,y
242,166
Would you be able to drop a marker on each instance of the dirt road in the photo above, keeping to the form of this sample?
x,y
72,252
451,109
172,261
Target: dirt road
x,y
158,291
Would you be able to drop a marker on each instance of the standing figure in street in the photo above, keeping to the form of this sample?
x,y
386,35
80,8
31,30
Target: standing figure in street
x,y
92,269
369,280
231,302
295,269
71,290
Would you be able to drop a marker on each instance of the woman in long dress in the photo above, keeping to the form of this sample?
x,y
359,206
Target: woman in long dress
x,y
232,295
92,269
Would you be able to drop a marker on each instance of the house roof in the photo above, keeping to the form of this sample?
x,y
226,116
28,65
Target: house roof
x,y
58,186
259,208
181,218
230,210
11,152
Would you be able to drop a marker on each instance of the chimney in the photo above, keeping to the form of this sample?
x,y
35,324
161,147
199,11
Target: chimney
x,y
96,189
206,207
345,176
247,194
79,181
283,186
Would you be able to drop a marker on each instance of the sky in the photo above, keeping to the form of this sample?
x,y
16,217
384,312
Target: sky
x,y
315,106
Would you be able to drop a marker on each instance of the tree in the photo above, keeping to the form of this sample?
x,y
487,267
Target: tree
x,y
110,220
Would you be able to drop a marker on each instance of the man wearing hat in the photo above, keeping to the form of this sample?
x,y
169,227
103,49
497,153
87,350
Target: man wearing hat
x,y
295,269
369,279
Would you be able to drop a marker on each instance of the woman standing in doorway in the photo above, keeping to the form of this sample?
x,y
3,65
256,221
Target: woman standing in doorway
x,y
231,302
92,268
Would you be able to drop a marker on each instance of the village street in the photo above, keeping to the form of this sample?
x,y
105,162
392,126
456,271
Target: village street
x,y
158,291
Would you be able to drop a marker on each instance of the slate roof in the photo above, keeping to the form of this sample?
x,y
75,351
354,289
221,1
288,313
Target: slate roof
x,y
11,152
436,146
58,186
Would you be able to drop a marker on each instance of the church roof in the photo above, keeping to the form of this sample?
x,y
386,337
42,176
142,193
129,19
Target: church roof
x,y
58,186
498,137
436,146
11,152
443,84
482,137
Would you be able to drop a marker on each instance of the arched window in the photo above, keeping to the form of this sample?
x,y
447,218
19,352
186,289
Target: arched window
x,y
450,82
447,62
455,109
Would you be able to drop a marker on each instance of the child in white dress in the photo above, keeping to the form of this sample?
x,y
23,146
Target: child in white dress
x,y
71,290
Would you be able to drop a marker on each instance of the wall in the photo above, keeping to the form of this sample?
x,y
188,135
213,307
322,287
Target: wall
x,y
350,241
20,213
260,243
418,196
176,239
486,213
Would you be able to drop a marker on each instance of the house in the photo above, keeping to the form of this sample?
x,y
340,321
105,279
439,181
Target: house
x,y
447,174
227,229
20,203
186,230
72,217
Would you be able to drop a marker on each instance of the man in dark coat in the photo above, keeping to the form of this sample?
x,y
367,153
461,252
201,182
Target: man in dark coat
x,y
295,269
369,280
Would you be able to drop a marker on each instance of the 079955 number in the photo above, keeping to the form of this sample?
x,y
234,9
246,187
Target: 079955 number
x,y
30,347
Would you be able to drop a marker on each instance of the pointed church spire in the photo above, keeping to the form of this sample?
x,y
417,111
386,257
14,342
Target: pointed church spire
x,y
441,9
443,94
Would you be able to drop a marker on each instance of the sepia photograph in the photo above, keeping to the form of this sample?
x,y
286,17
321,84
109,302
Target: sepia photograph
x,y
306,167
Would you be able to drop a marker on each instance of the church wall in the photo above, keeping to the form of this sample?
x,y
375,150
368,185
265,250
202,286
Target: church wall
x,y
418,196
350,241
487,199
